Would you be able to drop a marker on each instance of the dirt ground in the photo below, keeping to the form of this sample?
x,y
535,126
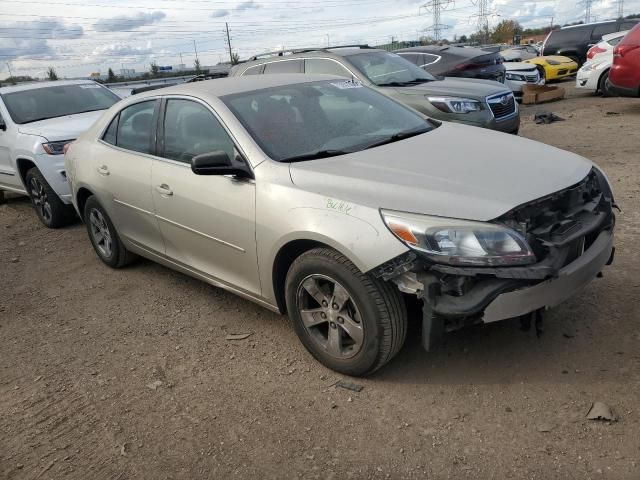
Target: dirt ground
x,y
109,374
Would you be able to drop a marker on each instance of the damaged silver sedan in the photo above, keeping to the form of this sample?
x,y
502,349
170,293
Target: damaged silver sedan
x,y
320,198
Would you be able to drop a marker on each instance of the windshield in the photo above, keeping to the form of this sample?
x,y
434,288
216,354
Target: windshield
x,y
57,101
389,69
321,119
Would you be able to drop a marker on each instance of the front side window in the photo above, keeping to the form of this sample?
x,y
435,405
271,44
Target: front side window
x,y
328,67
388,69
190,129
257,70
111,134
286,66
57,101
136,128
600,30
319,119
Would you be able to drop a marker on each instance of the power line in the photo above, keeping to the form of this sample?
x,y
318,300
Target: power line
x,y
436,7
483,18
620,8
587,10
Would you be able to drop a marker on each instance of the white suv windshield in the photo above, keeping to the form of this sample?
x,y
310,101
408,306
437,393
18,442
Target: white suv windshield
x,y
389,69
322,119
57,101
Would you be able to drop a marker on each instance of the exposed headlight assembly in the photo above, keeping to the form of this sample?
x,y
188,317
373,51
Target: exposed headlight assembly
x,y
516,77
455,104
55,148
459,242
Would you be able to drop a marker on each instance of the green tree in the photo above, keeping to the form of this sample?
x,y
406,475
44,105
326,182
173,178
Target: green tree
x,y
111,76
154,69
235,58
196,67
51,74
505,30
463,39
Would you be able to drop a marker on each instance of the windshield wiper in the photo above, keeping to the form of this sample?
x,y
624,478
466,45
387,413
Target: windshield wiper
x,y
416,81
399,136
315,155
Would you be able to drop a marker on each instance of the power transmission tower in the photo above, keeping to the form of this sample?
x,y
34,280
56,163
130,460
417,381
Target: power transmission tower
x,y
483,18
436,7
587,10
620,8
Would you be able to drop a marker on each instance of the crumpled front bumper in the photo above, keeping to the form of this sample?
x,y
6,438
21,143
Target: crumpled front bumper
x,y
570,280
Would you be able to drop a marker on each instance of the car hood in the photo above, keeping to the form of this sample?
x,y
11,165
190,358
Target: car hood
x,y
518,66
61,128
480,178
457,87
543,60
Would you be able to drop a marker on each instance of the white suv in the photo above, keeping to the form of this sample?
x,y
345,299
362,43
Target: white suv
x,y
37,120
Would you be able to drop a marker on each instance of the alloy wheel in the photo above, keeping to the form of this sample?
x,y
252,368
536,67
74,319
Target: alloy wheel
x,y
330,316
100,233
40,199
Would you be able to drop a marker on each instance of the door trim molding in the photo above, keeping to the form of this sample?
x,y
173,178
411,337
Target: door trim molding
x,y
209,237
137,209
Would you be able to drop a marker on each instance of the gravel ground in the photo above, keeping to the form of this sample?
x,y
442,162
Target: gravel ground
x,y
109,374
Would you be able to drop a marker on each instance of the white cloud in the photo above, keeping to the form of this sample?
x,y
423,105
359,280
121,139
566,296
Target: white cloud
x,y
219,13
128,22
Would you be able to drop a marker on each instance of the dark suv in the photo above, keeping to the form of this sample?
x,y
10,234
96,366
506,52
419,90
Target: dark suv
x,y
574,41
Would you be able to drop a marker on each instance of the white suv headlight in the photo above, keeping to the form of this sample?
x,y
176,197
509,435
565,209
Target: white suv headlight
x,y
459,242
455,105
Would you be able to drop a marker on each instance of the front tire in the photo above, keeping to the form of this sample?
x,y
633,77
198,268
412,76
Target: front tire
x,y
104,237
604,90
349,321
51,211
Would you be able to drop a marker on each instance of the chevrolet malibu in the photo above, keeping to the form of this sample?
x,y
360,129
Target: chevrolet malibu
x,y
321,198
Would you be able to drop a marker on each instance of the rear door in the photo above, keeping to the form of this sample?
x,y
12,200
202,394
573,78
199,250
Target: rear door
x,y
8,174
207,222
123,160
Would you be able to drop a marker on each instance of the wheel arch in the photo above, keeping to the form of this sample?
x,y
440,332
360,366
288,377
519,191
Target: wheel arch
x,y
24,165
81,199
604,72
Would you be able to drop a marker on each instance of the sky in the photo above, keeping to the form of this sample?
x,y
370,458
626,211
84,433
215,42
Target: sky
x,y
78,37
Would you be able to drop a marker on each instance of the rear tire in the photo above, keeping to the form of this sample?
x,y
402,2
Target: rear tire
x,y
51,211
602,85
104,237
350,322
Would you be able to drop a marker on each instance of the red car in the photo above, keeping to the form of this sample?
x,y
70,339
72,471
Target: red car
x,y
624,76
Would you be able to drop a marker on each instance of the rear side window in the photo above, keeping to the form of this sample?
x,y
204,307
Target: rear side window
x,y
286,66
600,30
412,57
615,41
568,37
110,135
136,127
428,59
627,25
329,67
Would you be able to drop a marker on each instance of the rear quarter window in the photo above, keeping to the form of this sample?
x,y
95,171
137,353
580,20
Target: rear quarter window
x,y
284,66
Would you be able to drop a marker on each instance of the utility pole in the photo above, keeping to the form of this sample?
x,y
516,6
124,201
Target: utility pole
x,y
195,49
229,44
181,62
436,7
483,18
9,67
328,40
620,8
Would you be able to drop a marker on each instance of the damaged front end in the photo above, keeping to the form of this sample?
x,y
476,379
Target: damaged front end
x,y
571,235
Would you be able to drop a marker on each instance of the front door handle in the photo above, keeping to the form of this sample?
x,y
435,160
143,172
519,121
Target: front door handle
x,y
103,170
164,190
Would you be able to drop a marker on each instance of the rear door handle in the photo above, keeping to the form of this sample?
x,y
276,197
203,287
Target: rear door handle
x,y
103,170
164,190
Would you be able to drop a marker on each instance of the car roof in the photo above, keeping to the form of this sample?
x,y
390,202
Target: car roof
x,y
231,85
468,52
21,87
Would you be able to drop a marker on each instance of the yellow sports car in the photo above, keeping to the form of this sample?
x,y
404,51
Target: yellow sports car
x,y
555,67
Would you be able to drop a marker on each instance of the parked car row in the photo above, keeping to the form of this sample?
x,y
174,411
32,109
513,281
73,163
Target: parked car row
x,y
329,196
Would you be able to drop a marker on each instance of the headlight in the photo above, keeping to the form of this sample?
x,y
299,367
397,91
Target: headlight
x,y
459,242
455,105
516,77
55,148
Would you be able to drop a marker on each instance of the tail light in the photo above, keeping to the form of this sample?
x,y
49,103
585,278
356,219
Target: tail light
x,y
595,50
622,50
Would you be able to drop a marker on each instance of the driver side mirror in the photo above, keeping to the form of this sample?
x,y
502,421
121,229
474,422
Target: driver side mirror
x,y
218,163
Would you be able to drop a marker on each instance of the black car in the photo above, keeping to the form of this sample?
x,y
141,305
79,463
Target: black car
x,y
449,61
575,41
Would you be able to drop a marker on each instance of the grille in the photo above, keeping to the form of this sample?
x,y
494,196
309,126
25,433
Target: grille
x,y
533,78
502,105
562,72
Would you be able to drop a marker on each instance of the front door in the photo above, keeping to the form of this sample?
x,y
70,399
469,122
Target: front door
x,y
8,175
123,174
207,222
